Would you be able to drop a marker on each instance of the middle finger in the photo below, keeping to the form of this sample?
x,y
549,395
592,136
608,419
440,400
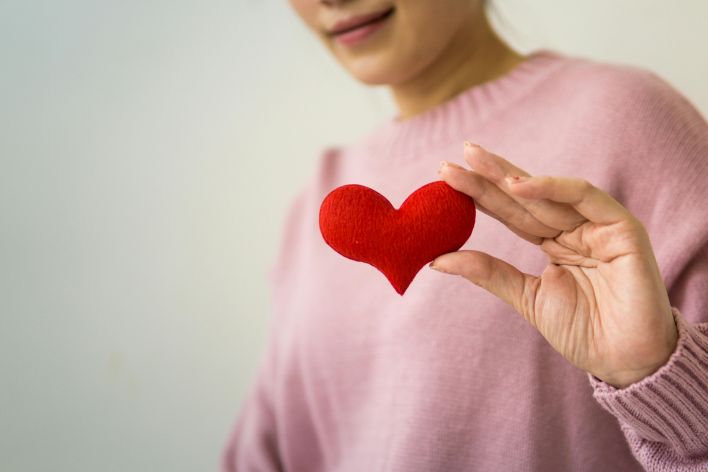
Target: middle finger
x,y
495,168
494,202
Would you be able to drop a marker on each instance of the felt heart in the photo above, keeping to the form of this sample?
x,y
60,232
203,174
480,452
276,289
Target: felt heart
x,y
361,224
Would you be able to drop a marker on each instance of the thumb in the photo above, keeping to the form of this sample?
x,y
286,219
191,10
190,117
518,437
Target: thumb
x,y
494,275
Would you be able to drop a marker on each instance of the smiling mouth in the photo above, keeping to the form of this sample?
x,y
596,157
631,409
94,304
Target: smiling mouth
x,y
378,19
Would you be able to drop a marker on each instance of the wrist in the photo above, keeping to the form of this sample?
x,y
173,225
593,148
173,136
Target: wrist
x,y
664,351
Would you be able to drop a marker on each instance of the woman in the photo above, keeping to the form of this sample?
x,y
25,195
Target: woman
x,y
590,352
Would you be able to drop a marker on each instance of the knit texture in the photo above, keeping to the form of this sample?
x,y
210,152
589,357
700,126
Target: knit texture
x,y
671,406
362,225
448,377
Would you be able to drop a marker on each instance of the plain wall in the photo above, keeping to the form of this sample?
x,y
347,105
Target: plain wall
x,y
148,151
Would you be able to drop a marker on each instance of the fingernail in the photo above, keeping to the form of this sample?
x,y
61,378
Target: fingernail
x,y
469,146
434,267
449,164
515,179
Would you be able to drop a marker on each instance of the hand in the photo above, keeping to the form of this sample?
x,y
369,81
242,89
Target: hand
x,y
601,301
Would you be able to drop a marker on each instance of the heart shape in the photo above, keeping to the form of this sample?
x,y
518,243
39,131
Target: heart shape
x,y
361,224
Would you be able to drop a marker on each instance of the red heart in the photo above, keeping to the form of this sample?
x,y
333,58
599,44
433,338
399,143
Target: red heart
x,y
361,224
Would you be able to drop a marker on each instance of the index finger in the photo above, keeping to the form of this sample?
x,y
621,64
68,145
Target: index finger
x,y
495,168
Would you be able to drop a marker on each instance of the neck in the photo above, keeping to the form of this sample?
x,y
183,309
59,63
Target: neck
x,y
474,56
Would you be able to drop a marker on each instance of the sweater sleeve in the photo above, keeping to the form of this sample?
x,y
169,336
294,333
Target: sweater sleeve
x,y
664,417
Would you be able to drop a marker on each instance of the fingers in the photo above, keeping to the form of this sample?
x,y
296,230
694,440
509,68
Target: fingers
x,y
494,168
559,254
495,203
494,275
537,240
588,200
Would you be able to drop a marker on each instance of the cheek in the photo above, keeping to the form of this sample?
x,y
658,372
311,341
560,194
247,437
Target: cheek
x,y
389,60
419,35
306,10
416,36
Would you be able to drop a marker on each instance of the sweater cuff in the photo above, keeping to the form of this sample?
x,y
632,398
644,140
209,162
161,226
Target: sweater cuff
x,y
670,405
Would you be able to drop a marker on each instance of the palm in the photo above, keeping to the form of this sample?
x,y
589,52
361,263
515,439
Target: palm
x,y
593,304
601,301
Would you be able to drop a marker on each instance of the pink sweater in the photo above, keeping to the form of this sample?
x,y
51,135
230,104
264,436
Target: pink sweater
x,y
357,378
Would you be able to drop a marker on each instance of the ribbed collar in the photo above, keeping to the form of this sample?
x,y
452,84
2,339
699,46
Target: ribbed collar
x,y
453,118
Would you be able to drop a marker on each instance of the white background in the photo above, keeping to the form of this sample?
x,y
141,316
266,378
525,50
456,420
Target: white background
x,y
148,150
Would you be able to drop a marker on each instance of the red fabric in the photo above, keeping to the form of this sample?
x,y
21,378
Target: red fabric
x,y
361,224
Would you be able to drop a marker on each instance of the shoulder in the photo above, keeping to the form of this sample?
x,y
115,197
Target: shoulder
x,y
643,140
635,118
300,219
615,92
327,168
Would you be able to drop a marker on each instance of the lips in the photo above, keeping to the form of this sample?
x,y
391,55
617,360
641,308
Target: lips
x,y
358,21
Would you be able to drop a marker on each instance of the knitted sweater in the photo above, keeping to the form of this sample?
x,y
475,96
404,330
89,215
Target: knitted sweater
x,y
448,377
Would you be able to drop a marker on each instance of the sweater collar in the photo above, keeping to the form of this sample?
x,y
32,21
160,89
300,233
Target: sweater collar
x,y
454,118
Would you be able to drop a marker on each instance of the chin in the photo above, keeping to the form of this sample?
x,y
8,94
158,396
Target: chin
x,y
371,77
374,72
